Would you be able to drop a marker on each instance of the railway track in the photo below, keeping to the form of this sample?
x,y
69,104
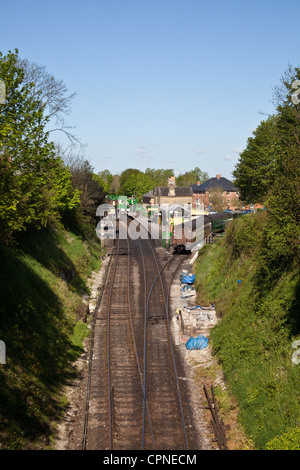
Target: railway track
x,y
160,373
134,398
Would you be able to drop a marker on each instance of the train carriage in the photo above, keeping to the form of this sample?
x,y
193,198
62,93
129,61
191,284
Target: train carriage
x,y
191,235
219,220
198,231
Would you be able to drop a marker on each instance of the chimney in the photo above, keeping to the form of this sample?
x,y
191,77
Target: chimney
x,y
198,183
171,186
218,177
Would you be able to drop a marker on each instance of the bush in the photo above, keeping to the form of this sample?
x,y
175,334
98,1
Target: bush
x,y
259,321
289,440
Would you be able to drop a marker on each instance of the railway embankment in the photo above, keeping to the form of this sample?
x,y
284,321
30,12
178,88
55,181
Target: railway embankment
x,y
44,287
256,337
202,368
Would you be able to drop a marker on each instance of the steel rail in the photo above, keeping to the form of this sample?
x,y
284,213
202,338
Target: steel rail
x,y
85,430
88,386
146,309
143,380
217,422
134,342
166,303
174,361
145,402
145,342
108,347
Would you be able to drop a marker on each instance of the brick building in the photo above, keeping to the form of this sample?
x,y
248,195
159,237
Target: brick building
x,y
215,189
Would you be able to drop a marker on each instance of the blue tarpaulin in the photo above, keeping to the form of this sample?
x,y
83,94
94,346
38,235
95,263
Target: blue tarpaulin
x,y
189,279
199,306
198,342
182,275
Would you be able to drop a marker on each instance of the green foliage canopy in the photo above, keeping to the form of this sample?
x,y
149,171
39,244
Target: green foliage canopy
x,y
268,172
135,183
36,187
256,169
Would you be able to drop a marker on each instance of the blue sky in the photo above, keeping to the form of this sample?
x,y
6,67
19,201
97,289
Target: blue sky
x,y
160,83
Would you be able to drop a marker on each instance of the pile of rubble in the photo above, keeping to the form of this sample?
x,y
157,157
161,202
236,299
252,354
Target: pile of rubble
x,y
193,322
187,288
196,320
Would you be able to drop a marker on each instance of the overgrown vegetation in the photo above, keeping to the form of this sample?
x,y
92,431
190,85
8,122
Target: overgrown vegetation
x,y
42,324
37,189
48,204
268,172
253,278
259,322
48,250
134,182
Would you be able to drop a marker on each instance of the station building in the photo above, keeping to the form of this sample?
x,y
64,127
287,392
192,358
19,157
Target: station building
x,y
226,189
171,194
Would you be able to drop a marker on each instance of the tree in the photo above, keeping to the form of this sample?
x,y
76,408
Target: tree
x,y
137,184
10,196
124,177
216,200
270,149
200,175
283,197
160,176
106,179
52,95
25,144
115,184
191,177
268,171
87,183
63,197
282,93
255,171
35,187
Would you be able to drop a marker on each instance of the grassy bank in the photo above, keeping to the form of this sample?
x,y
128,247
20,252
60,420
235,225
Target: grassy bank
x,y
42,281
253,339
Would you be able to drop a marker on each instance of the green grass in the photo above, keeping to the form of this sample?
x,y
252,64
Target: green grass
x,y
42,281
254,337
80,332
